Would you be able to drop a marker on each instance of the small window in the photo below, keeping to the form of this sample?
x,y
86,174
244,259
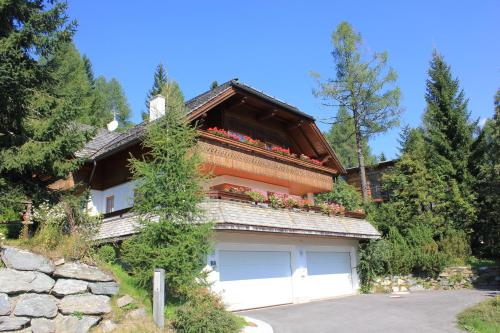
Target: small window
x,y
110,204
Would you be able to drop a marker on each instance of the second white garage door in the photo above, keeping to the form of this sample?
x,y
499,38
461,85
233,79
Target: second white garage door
x,y
250,279
328,274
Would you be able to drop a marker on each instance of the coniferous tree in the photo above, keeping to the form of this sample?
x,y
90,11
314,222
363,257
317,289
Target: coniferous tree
x,y
163,85
167,196
382,157
361,87
448,130
342,139
107,99
88,69
485,169
448,134
38,116
160,79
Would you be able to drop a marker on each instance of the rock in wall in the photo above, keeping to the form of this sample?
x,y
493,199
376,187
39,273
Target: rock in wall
x,y
36,295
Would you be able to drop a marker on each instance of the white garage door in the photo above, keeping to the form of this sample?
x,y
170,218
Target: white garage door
x,y
250,279
328,274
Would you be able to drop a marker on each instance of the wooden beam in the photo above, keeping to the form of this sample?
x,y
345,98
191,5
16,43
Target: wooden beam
x,y
267,116
309,141
296,125
325,158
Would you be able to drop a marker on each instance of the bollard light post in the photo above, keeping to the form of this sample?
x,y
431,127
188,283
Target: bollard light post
x,y
159,298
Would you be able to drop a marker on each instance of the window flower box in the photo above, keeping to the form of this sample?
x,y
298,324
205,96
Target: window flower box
x,y
257,143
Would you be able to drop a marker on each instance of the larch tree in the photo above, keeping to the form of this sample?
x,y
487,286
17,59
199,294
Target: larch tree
x,y
365,87
173,235
341,137
38,122
107,98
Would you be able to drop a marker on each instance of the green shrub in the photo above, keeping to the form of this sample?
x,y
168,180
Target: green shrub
x,y
64,229
401,259
427,260
455,247
106,254
342,193
179,248
204,312
374,261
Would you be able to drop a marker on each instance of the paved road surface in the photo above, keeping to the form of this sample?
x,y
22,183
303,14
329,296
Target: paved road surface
x,y
419,312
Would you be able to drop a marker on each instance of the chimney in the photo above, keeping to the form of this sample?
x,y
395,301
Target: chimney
x,y
156,107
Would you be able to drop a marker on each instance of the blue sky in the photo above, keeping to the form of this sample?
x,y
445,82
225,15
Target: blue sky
x,y
273,45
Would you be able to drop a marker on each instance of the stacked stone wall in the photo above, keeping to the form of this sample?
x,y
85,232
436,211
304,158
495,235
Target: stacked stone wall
x,y
42,296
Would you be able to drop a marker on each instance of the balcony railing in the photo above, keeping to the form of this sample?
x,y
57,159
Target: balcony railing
x,y
242,197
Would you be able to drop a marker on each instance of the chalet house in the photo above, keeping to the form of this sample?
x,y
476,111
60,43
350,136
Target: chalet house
x,y
374,175
252,143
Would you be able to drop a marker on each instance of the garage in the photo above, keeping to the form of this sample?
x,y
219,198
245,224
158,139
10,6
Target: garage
x,y
250,279
328,274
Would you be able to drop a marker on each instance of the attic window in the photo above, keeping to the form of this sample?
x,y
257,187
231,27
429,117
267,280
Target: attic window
x,y
110,204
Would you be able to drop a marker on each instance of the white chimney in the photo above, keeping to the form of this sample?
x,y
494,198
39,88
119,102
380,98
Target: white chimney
x,y
156,107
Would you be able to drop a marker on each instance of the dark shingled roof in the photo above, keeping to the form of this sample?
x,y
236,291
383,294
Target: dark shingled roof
x,y
106,142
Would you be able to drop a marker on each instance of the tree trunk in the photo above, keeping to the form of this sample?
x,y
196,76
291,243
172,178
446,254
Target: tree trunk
x,y
361,159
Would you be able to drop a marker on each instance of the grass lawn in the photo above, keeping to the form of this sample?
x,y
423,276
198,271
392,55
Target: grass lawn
x,y
481,318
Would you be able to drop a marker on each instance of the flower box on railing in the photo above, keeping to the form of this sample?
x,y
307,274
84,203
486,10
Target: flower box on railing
x,y
257,143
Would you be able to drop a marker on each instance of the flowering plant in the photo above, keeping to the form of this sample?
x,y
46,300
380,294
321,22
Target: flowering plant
x,y
257,195
46,213
223,133
281,150
283,200
309,159
233,188
250,141
254,142
331,208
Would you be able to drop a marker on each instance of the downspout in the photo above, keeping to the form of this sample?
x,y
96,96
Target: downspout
x,y
90,179
92,173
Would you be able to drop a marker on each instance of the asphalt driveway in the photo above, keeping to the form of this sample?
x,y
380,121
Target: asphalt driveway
x,y
428,311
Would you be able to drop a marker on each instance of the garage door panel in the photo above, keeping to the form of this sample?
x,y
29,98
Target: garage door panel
x,y
250,279
329,274
319,263
250,265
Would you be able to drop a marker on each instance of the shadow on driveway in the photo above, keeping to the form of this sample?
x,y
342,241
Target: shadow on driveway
x,y
419,312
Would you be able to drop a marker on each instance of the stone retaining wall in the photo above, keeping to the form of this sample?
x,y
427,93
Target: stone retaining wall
x,y
41,296
450,278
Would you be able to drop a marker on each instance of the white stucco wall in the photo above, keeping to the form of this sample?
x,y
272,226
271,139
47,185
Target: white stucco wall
x,y
123,193
245,182
296,245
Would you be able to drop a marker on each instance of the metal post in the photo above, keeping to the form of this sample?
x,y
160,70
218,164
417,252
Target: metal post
x,y
159,297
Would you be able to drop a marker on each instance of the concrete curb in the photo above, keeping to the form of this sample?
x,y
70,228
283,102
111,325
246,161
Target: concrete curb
x,y
262,327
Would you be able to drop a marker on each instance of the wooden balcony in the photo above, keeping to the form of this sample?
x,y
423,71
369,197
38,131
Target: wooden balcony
x,y
223,156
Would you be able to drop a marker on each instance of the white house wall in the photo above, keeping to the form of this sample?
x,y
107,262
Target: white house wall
x,y
123,193
296,245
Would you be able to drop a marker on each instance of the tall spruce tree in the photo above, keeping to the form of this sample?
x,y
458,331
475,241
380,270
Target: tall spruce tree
x,y
38,129
448,134
167,196
485,169
341,137
448,130
361,86
163,85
